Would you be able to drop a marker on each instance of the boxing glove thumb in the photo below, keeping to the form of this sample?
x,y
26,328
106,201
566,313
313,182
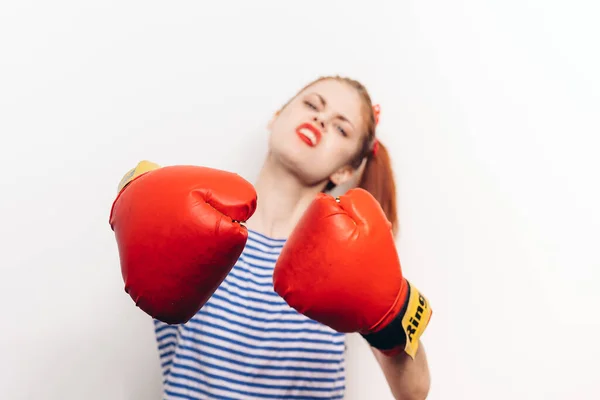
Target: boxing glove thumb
x,y
356,205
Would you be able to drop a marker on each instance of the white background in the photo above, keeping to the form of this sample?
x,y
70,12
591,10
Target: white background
x,y
490,109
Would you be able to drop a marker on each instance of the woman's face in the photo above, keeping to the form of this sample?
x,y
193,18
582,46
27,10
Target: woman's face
x,y
319,132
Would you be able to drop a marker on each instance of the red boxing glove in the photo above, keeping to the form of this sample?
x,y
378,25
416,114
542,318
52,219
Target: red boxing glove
x,y
340,267
178,233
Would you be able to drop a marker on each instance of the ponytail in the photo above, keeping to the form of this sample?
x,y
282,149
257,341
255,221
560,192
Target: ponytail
x,y
378,179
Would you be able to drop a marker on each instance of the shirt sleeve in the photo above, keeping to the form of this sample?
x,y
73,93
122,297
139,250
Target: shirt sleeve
x,y
167,337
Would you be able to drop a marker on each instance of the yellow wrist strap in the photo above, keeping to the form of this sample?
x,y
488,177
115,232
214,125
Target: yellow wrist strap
x,y
415,320
141,168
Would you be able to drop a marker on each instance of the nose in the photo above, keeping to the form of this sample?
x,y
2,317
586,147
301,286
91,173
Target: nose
x,y
321,123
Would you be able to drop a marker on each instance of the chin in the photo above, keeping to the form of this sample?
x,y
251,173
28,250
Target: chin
x,y
295,163
287,151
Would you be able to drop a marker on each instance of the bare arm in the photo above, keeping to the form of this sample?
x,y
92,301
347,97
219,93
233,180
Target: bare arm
x,y
408,379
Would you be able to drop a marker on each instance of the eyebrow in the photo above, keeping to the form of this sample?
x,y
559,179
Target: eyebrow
x,y
340,116
322,99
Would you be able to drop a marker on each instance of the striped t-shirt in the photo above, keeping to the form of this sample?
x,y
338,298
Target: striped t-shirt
x,y
247,343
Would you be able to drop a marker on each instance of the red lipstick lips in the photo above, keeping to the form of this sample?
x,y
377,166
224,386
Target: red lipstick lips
x,y
309,134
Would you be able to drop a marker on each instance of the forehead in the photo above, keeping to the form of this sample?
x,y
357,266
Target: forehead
x,y
339,95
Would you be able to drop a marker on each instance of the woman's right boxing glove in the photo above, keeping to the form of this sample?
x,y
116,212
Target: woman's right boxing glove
x,y
179,233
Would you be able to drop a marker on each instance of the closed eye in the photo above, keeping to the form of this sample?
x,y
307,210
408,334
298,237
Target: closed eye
x,y
342,131
310,105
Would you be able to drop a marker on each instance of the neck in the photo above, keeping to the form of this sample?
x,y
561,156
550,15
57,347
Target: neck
x,y
282,199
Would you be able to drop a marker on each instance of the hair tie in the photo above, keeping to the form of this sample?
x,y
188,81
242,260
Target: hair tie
x,y
375,147
376,112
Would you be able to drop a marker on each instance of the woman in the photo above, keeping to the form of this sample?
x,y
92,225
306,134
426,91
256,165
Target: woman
x,y
246,342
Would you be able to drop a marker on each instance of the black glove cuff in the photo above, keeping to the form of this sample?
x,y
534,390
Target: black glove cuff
x,y
392,336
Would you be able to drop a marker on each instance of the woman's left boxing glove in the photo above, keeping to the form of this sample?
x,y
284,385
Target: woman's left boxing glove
x,y
340,267
179,233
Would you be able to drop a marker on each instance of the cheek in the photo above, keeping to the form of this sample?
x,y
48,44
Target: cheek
x,y
279,138
282,126
286,144
276,131
339,149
